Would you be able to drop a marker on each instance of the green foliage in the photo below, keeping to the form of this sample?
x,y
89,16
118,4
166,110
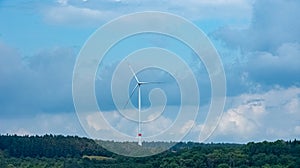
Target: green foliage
x,y
75,152
50,146
223,165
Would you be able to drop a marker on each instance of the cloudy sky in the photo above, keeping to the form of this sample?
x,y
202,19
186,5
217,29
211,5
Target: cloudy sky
x,y
258,42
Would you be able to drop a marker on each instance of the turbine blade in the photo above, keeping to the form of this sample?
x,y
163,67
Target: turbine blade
x,y
150,83
137,80
130,96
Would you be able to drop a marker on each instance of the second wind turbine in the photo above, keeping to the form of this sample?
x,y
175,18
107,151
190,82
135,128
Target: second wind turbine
x,y
138,86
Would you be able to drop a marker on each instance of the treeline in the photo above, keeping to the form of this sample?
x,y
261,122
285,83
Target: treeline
x,y
73,151
50,146
276,154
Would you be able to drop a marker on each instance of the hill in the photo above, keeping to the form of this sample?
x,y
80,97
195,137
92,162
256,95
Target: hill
x,y
73,151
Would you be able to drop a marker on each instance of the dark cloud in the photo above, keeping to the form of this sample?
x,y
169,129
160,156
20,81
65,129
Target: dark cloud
x,y
282,68
273,23
270,44
54,70
15,82
41,83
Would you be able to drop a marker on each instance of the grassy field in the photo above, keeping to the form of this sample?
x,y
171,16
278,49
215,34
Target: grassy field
x,y
97,157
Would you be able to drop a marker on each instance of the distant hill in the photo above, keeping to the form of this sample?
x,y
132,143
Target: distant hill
x,y
74,151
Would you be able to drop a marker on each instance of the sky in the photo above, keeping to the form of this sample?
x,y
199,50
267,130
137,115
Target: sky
x,y
258,43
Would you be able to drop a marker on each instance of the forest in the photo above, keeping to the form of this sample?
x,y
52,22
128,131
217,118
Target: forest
x,y
76,152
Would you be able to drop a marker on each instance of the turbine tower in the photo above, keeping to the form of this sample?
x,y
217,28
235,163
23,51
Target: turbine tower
x,y
138,86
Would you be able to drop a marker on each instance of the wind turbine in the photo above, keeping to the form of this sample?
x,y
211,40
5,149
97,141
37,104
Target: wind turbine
x,y
138,86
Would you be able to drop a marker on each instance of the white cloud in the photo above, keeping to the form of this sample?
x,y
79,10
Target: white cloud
x,y
297,130
186,126
292,106
62,2
252,117
162,127
69,14
92,12
243,120
262,116
218,9
22,132
157,126
42,123
94,122
113,120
